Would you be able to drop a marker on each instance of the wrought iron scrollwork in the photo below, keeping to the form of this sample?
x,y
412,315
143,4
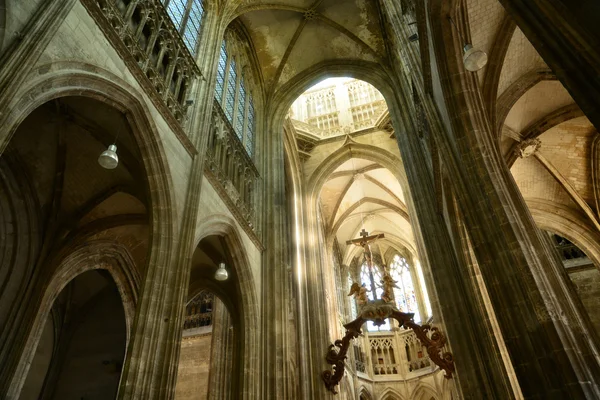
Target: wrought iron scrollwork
x,y
377,311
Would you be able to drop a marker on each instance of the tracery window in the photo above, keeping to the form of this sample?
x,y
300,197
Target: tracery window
x,y
321,103
241,112
221,68
361,92
233,95
404,294
231,88
370,277
187,18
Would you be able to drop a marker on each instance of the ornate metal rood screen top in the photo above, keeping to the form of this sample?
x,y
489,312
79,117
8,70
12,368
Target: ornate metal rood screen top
x,y
378,310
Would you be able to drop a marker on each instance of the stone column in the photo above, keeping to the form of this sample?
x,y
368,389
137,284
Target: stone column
x,y
221,355
152,360
16,63
566,33
480,369
18,59
275,368
550,344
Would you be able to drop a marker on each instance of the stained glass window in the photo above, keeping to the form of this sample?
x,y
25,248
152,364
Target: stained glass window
x,y
240,108
176,10
231,87
187,18
192,25
405,296
365,278
251,127
241,111
221,73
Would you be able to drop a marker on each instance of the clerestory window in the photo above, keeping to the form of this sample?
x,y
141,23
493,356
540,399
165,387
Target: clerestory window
x,y
234,97
187,18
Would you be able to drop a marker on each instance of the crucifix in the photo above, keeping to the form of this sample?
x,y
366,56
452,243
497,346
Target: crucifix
x,y
365,242
377,311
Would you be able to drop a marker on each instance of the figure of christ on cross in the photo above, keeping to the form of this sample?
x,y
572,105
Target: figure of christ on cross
x,y
365,242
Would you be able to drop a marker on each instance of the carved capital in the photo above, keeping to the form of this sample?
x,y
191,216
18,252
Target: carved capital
x,y
528,147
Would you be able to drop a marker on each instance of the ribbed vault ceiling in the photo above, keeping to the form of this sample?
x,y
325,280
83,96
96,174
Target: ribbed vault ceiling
x,y
528,102
291,36
362,194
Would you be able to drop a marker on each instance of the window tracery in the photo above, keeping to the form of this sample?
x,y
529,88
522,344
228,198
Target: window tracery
x,y
187,18
371,278
234,95
404,294
221,68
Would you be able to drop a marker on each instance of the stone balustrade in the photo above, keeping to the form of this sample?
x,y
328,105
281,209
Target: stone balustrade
x,y
197,320
144,35
231,170
395,353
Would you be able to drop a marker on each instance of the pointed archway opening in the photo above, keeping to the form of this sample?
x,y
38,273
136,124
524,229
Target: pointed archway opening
x,y
81,351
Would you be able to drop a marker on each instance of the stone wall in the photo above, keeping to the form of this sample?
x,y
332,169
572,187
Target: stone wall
x,y
14,15
587,283
214,208
80,44
194,367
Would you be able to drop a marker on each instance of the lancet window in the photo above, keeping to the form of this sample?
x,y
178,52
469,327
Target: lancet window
x,y
404,294
233,95
221,69
187,18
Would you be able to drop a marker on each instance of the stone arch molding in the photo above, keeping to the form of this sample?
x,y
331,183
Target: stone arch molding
x,y
62,79
390,394
423,392
562,220
366,71
100,254
363,392
223,225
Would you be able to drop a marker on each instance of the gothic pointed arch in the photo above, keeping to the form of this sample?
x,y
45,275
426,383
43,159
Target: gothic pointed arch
x,y
96,255
562,220
74,78
245,307
424,392
364,394
390,394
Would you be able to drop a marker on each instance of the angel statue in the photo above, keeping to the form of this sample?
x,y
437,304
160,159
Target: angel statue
x,y
388,284
360,293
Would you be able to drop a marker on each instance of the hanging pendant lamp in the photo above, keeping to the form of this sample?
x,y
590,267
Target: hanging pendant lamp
x,y
109,158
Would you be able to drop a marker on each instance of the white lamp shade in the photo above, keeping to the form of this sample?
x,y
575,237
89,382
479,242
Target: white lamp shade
x,y
473,58
109,158
221,274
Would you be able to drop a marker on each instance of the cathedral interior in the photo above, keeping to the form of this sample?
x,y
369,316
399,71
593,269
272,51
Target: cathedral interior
x,y
299,199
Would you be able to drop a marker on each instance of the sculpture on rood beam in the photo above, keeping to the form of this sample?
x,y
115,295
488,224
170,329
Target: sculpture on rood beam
x,y
388,284
360,293
378,310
